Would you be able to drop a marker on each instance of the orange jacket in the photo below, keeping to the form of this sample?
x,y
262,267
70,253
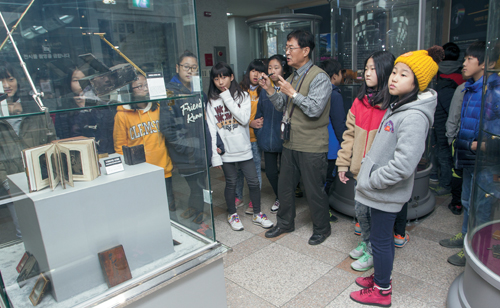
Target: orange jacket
x,y
141,126
254,100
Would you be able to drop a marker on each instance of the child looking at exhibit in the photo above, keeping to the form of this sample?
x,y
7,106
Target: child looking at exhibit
x,y
386,177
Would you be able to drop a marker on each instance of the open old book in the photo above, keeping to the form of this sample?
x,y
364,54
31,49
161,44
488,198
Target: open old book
x,y
62,161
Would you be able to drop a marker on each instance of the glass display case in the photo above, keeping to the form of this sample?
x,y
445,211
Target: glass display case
x,y
125,74
479,285
360,28
268,33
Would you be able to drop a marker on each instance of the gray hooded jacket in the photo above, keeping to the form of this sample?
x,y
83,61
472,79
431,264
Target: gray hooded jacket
x,y
385,180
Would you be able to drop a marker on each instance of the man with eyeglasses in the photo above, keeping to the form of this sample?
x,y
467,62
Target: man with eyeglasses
x,y
304,99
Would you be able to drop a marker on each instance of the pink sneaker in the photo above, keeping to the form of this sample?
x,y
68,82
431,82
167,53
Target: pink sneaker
x,y
249,209
366,282
238,202
373,296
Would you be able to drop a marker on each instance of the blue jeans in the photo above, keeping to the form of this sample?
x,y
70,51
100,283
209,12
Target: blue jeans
x,y
466,195
256,159
481,207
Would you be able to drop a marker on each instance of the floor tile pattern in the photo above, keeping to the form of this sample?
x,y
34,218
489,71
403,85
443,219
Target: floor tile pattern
x,y
288,272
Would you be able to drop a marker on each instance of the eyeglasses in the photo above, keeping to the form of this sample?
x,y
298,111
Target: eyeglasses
x,y
186,67
291,48
141,86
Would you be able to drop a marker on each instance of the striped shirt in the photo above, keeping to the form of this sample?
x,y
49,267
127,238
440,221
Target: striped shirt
x,y
314,103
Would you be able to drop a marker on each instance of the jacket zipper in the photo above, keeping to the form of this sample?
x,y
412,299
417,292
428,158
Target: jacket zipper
x,y
271,134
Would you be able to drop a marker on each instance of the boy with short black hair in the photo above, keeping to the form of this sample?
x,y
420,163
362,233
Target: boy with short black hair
x,y
337,119
466,142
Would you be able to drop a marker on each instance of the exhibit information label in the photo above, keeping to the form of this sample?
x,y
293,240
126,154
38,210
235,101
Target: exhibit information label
x,y
113,165
156,85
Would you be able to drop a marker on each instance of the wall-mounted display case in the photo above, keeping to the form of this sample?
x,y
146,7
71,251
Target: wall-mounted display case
x,y
479,285
126,74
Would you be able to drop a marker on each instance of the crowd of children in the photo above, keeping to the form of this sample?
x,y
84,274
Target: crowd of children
x,y
377,143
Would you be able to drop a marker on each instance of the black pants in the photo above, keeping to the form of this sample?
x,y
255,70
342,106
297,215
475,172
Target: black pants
x,y
170,194
312,167
442,156
456,187
329,175
400,223
231,174
272,160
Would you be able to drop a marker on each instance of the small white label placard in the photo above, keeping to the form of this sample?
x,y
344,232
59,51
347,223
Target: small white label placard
x,y
195,81
113,165
156,85
207,196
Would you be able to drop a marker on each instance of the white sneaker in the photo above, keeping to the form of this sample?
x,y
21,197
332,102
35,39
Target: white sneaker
x,y
261,219
234,222
275,207
357,252
364,263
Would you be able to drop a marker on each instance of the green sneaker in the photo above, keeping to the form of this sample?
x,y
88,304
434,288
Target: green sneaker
x,y
457,259
455,242
357,252
364,263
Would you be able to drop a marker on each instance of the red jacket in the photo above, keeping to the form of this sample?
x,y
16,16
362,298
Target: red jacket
x,y
362,124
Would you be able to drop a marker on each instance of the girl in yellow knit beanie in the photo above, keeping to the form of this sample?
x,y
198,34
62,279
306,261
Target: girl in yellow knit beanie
x,y
386,177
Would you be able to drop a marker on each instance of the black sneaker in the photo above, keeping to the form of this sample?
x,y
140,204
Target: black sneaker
x,y
458,259
333,218
456,209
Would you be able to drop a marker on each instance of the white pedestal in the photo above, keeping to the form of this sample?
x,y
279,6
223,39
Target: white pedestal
x,y
65,229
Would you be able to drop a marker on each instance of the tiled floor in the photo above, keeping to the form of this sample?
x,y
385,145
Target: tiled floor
x,y
287,272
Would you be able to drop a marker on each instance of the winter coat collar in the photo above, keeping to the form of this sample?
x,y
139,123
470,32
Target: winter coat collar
x,y
129,108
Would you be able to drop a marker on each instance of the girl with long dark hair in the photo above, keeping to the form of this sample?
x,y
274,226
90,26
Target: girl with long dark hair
x,y
228,113
363,120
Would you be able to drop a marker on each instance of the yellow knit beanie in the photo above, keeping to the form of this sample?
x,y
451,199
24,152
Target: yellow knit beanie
x,y
423,63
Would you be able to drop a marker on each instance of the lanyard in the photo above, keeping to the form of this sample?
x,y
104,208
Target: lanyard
x,y
299,83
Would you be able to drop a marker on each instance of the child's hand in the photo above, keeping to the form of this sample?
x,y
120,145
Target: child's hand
x,y
286,87
342,177
219,150
257,123
473,146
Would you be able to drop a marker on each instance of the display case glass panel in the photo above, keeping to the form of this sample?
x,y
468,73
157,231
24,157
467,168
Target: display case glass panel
x,y
124,73
362,27
484,213
268,34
